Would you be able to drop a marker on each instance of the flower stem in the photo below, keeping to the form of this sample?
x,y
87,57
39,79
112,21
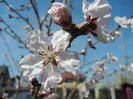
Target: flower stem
x,y
36,92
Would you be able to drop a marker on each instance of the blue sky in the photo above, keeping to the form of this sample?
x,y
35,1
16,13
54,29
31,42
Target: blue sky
x,y
119,8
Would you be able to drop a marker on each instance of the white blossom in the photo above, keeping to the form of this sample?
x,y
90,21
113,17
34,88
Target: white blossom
x,y
114,59
122,68
100,67
122,21
50,58
130,68
101,10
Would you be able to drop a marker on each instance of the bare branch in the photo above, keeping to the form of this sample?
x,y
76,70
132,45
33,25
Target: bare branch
x,y
34,6
44,19
14,35
4,1
49,26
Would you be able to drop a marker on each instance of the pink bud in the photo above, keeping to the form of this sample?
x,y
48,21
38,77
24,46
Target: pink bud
x,y
43,93
32,78
116,33
83,52
51,33
60,14
32,87
89,40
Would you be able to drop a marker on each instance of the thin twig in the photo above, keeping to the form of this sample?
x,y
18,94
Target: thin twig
x,y
44,19
12,32
34,6
14,35
18,14
49,26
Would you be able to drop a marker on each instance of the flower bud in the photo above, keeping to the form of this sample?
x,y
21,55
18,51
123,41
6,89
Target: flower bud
x,y
42,93
60,14
10,8
83,52
89,40
28,28
32,78
115,33
34,81
32,87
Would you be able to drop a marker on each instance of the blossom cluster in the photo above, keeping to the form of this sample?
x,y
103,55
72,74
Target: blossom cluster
x,y
50,57
124,22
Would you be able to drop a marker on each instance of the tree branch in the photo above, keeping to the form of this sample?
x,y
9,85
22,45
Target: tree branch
x,y
34,6
18,14
14,35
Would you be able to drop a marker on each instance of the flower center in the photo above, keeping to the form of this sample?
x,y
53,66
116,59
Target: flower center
x,y
49,56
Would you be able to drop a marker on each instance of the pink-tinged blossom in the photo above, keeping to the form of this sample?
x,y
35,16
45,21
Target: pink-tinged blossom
x,y
43,93
60,14
101,11
50,58
122,21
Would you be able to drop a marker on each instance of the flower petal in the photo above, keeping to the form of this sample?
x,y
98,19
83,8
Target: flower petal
x,y
31,65
49,84
69,61
55,7
102,35
50,71
60,40
37,40
122,21
98,9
